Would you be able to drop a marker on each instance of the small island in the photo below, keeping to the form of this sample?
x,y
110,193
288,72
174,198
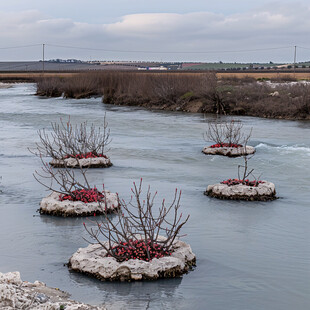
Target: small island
x,y
229,150
88,160
79,146
242,188
229,139
134,248
79,203
95,260
236,189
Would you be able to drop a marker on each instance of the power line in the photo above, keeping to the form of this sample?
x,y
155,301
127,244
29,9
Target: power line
x,y
155,52
304,48
20,46
168,52
152,51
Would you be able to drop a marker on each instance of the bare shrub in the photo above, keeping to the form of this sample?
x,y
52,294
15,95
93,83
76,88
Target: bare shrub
x,y
136,222
157,88
68,140
227,133
50,87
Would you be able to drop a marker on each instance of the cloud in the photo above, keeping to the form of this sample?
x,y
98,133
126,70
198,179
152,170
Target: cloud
x,y
275,25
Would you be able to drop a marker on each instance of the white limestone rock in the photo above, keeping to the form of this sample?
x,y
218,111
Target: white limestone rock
x,y
92,260
96,162
16,294
263,192
53,206
229,151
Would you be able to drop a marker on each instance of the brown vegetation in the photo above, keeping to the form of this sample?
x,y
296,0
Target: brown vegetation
x,y
190,92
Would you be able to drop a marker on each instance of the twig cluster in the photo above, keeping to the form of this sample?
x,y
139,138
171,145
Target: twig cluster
x,y
228,133
63,181
244,171
68,140
136,222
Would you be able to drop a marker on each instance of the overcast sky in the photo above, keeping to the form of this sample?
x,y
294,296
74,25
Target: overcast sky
x,y
169,30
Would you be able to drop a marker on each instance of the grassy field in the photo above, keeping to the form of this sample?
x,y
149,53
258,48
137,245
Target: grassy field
x,y
32,76
29,76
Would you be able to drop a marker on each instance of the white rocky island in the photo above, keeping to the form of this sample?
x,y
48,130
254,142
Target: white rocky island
x,y
53,205
262,191
229,151
18,294
131,247
92,162
94,260
74,146
229,139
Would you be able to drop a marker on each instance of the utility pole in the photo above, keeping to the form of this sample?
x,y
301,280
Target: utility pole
x,y
295,47
43,46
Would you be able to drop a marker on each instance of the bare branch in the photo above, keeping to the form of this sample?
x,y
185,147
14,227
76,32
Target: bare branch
x,y
137,222
228,133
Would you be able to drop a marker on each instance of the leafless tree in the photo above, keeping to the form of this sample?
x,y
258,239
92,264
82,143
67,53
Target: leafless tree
x,y
68,140
136,221
228,132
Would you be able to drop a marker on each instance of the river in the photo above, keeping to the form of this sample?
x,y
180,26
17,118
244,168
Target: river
x,y
250,255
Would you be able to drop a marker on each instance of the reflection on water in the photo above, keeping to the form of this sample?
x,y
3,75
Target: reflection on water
x,y
134,295
250,255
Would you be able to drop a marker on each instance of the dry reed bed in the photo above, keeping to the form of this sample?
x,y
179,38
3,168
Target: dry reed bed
x,y
191,92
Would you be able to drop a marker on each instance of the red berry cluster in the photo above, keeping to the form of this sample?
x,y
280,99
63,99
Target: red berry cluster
x,y
84,195
87,155
231,182
225,145
137,249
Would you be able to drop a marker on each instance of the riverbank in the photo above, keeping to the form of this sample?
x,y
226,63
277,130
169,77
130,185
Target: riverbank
x,y
281,97
268,95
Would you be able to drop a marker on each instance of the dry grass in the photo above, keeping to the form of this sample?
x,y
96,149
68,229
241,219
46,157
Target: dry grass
x,y
266,75
220,75
204,92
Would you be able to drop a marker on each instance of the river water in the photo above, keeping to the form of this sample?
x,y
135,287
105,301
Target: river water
x,y
250,255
